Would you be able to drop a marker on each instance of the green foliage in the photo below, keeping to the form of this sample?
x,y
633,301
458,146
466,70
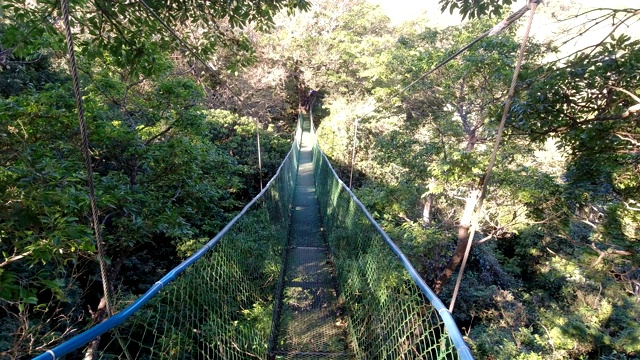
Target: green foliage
x,y
43,186
164,176
34,75
236,136
338,48
474,8
585,112
557,281
168,174
128,34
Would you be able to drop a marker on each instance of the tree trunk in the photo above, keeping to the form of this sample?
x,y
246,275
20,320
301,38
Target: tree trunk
x,y
461,245
102,312
469,207
96,317
472,139
426,211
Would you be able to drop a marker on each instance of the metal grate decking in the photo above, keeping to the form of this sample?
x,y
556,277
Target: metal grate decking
x,y
310,322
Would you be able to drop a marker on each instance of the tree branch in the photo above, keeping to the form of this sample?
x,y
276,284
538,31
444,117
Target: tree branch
x,y
637,12
158,135
14,258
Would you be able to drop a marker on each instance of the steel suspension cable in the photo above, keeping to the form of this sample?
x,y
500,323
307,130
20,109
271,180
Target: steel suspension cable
x,y
532,5
353,151
495,30
73,68
87,157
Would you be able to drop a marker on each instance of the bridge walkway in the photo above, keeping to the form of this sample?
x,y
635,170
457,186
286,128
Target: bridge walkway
x,y
310,322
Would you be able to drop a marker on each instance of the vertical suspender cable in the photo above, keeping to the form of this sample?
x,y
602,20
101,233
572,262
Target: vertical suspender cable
x,y
87,163
259,152
87,156
496,29
533,4
353,151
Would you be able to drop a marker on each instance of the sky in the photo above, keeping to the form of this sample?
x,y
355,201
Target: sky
x,y
403,10
546,25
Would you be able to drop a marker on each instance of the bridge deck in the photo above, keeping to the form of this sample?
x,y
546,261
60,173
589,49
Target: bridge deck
x,y
310,323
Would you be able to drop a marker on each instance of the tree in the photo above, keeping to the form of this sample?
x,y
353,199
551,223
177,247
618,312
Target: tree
x,y
128,32
166,177
589,110
456,110
561,278
474,8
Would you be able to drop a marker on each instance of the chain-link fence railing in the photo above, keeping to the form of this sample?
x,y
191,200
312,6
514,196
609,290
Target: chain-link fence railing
x,y
392,313
217,304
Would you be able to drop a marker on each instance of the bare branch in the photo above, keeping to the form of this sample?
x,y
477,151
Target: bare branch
x,y
14,258
637,12
163,132
630,207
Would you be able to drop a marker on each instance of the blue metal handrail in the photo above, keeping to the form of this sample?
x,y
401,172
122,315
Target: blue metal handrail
x,y
117,319
463,350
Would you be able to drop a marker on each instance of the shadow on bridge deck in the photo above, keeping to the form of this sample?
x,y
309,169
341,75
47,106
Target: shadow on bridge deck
x,y
310,325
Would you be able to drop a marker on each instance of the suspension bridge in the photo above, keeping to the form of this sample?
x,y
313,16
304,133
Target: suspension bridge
x,y
302,272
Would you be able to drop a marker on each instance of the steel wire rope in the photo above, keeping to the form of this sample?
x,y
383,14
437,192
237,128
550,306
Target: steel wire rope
x,y
445,316
73,68
212,71
532,5
495,30
86,154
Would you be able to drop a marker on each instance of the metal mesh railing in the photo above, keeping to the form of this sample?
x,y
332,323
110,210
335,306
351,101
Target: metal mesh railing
x,y
309,317
217,304
392,314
